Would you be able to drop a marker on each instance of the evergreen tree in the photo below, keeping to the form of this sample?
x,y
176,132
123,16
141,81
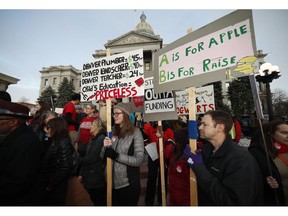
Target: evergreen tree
x,y
65,91
241,97
48,96
218,97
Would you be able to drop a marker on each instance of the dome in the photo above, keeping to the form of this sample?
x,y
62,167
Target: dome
x,y
143,26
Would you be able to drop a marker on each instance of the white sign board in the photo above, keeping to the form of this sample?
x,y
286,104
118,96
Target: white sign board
x,y
116,76
218,51
204,100
158,106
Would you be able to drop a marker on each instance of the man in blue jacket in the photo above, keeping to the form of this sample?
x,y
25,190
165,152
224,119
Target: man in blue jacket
x,y
227,175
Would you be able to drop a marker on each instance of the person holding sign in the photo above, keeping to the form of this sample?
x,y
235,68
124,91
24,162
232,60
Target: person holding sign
x,y
126,149
227,174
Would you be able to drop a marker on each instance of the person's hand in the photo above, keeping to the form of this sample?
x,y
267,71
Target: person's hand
x,y
111,153
192,159
107,142
272,182
159,134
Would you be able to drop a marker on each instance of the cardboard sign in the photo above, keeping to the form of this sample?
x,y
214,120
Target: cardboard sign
x,y
219,51
204,100
117,76
158,106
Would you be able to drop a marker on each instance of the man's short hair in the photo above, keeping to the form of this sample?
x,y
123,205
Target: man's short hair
x,y
75,97
221,117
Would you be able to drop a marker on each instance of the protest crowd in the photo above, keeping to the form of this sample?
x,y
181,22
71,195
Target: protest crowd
x,y
38,154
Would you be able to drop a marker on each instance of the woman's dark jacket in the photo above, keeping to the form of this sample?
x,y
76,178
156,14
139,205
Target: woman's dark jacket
x,y
93,166
58,162
272,197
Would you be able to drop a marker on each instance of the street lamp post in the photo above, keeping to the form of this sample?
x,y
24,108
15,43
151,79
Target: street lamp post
x,y
267,74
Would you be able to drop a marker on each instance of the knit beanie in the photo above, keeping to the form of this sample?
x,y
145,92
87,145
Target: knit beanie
x,y
124,107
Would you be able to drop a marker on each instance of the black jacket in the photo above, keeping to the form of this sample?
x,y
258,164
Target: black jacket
x,y
229,177
58,162
272,197
93,166
20,163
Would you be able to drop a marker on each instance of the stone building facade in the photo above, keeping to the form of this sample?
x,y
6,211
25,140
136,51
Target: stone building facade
x,y
54,75
6,80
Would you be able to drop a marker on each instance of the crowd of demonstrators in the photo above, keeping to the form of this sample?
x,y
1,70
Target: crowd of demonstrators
x,y
126,149
179,173
36,158
265,151
92,173
84,134
58,163
69,113
227,174
20,157
35,123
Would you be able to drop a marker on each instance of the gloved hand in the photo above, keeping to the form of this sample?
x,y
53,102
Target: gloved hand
x,y
192,159
111,153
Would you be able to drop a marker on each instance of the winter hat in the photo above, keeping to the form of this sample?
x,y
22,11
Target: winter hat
x,y
14,109
181,136
124,107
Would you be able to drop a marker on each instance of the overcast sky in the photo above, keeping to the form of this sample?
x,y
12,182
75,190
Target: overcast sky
x,y
32,39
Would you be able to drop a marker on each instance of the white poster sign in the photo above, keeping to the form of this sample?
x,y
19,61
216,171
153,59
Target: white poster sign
x,y
116,76
204,100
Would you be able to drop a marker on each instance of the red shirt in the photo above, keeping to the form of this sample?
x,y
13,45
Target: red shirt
x,y
84,129
70,108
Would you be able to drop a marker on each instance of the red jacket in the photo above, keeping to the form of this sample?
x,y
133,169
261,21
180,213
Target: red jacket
x,y
178,175
150,131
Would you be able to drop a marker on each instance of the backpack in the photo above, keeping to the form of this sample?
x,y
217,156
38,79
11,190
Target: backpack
x,y
76,162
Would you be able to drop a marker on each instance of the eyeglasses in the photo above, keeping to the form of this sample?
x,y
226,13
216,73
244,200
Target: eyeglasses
x,y
117,114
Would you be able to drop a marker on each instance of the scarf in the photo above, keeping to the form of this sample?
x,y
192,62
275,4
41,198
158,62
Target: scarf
x,y
281,148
